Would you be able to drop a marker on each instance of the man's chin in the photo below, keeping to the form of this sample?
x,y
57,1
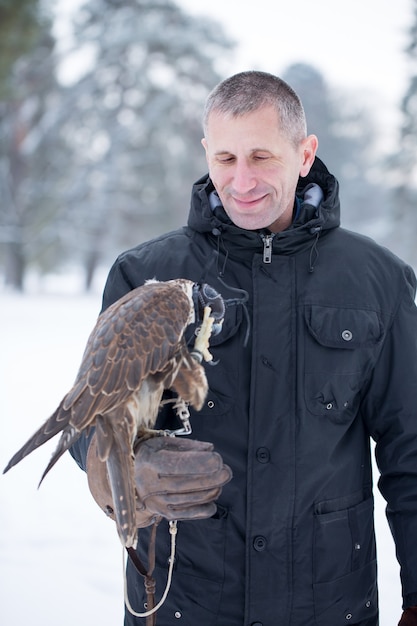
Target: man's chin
x,y
249,223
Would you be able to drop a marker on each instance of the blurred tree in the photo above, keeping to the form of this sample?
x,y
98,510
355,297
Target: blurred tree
x,y
403,164
31,153
20,25
346,145
134,121
95,164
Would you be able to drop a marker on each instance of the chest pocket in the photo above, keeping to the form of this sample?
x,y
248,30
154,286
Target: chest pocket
x,y
341,348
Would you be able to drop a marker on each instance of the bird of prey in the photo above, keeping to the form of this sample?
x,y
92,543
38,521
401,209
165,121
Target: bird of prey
x,y
135,352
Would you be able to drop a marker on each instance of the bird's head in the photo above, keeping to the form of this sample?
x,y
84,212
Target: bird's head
x,y
205,295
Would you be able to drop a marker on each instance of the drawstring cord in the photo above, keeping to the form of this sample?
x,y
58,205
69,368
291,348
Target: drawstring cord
x,y
314,253
243,293
242,302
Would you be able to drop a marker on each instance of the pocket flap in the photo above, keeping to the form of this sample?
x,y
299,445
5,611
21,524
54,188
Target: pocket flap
x,y
346,329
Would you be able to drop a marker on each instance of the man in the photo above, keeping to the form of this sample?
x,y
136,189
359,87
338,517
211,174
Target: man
x,y
318,354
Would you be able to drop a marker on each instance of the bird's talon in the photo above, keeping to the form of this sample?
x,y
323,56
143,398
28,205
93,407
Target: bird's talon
x,y
201,345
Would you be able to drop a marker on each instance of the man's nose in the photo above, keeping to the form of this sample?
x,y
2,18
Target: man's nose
x,y
243,177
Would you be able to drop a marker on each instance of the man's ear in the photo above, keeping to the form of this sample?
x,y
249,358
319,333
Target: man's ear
x,y
204,144
309,147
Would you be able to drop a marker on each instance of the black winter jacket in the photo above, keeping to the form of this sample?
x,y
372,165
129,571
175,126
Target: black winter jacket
x,y
317,355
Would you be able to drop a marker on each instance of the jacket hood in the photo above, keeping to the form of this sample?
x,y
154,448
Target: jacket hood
x,y
311,220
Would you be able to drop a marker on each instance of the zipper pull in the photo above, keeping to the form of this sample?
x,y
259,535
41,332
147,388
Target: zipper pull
x,y
267,240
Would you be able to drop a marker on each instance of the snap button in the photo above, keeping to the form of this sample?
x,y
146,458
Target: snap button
x,y
210,404
348,616
262,455
347,335
329,405
368,604
259,543
177,614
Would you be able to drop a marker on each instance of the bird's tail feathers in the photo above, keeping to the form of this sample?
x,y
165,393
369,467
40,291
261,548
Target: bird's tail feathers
x,y
120,469
69,436
53,425
105,437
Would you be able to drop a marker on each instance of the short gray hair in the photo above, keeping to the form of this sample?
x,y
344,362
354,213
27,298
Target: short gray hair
x,y
248,91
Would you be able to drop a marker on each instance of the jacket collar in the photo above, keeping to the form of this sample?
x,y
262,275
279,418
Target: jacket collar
x,y
310,221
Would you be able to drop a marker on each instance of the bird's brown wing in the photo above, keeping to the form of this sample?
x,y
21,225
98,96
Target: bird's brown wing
x,y
132,339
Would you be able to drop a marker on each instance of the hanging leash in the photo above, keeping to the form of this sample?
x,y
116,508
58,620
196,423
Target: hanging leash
x,y
181,410
149,580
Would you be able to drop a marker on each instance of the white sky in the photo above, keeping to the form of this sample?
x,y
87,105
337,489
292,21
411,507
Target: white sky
x,y
357,45
354,43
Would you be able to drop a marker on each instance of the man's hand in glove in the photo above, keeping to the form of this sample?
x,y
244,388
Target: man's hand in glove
x,y
176,478
409,617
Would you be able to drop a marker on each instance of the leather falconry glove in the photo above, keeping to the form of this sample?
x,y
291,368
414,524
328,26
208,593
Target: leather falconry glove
x,y
409,617
176,478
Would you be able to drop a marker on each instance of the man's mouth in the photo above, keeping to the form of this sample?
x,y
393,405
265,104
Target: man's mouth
x,y
247,202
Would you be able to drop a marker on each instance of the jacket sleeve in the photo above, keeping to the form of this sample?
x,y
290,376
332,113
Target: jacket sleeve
x,y
119,282
390,411
117,285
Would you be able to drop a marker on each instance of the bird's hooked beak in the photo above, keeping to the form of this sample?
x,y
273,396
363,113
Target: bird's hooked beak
x,y
204,295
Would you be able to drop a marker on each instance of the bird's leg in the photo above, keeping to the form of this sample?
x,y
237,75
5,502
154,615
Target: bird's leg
x,y
181,409
201,345
148,433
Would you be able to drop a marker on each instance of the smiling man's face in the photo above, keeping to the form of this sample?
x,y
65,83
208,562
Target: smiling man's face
x,y
255,167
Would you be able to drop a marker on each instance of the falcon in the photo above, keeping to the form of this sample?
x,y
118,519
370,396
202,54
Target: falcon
x,y
136,351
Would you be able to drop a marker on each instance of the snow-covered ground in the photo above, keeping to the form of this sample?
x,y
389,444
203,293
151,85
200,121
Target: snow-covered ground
x,y
60,557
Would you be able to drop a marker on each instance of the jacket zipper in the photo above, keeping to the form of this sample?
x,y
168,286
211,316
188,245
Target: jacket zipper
x,y
267,241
